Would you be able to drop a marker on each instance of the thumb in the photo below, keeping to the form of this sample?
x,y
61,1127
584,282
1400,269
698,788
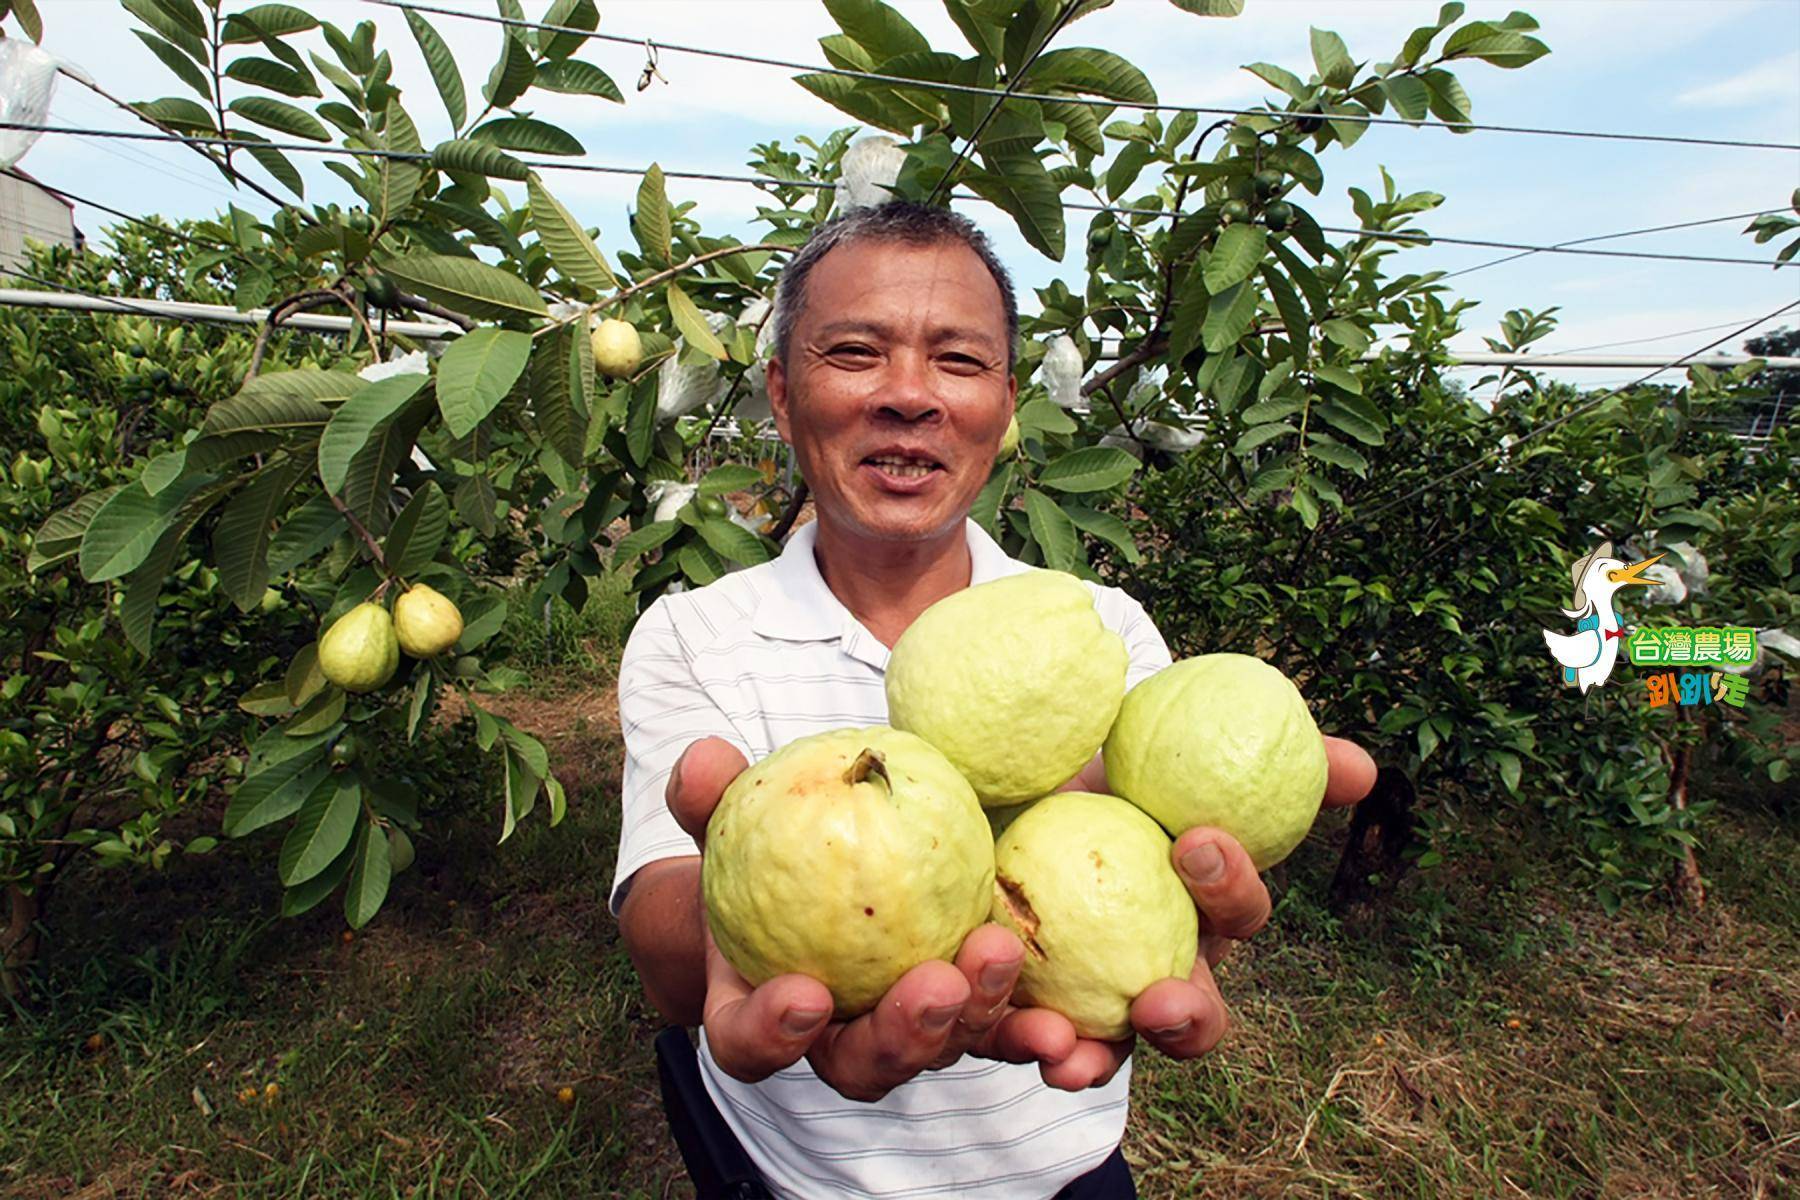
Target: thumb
x,y
699,779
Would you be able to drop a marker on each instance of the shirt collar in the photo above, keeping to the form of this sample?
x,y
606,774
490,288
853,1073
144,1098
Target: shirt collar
x,y
800,607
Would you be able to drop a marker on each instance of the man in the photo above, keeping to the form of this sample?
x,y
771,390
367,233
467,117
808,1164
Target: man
x,y
893,383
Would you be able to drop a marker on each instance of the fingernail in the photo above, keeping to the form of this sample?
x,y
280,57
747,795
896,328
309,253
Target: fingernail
x,y
1174,1031
1204,863
999,975
797,1021
936,1020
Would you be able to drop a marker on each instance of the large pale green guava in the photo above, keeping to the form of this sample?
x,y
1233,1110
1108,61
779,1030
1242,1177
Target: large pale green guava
x,y
1016,680
1223,740
850,856
1086,883
359,652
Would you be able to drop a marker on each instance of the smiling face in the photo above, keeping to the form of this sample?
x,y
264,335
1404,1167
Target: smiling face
x,y
896,393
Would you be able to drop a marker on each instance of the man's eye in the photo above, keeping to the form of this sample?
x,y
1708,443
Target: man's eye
x,y
851,350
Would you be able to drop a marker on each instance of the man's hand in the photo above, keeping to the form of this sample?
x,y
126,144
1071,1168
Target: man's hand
x,y
1185,1018
933,1015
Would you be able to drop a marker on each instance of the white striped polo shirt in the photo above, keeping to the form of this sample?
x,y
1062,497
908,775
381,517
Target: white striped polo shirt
x,y
760,658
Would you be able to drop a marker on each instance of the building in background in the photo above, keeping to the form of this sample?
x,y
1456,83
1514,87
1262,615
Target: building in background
x,y
31,211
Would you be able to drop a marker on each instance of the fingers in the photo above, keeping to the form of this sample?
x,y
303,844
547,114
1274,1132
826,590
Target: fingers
x,y
1090,1064
1184,1018
1025,1035
868,1057
990,959
754,1032
1230,895
700,777
1349,772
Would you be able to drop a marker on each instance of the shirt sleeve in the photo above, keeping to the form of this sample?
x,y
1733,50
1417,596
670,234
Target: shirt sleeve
x,y
1149,653
662,710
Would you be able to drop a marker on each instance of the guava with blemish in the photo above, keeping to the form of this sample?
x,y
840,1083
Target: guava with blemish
x,y
1085,882
850,856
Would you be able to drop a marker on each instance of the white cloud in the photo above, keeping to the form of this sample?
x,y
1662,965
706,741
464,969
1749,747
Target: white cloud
x,y
1774,81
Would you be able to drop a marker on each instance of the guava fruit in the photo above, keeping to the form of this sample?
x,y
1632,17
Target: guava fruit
x,y
1223,740
1086,883
1009,442
617,349
359,652
426,621
1016,680
849,856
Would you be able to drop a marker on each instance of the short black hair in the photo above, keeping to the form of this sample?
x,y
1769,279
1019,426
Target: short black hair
x,y
897,220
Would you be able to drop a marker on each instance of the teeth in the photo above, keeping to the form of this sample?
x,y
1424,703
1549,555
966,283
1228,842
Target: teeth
x,y
906,468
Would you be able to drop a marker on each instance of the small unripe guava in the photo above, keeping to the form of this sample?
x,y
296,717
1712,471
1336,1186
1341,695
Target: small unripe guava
x,y
1223,740
359,652
426,621
1086,883
1010,441
617,349
851,857
1016,680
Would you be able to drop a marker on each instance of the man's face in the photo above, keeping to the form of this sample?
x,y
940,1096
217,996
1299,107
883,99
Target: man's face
x,y
896,393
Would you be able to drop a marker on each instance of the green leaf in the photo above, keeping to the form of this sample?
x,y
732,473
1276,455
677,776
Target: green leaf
x,y
183,66
370,872
876,27
283,400
692,324
312,527
442,63
1279,77
1449,103
1293,313
577,78
571,14
1211,8
1053,530
1106,527
474,501
423,692
1686,516
1089,469
483,617
733,541
1409,96
511,74
1347,334
1347,420
652,223
59,537
1339,455
476,373
474,288
357,419
277,791
986,509
1332,58
267,73
643,540
1265,411
144,585
1260,434
730,477
241,538
317,715
271,20
368,484
1229,316
523,133
1235,257
1020,186
322,829
417,532
273,161
397,181
1339,377
477,158
306,896
1503,48
179,113
1086,71
561,425
281,117
568,244
124,530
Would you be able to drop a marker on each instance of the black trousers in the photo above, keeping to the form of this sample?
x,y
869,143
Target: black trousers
x,y
721,1170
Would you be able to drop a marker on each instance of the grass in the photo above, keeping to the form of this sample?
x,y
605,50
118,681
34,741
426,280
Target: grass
x,y
1485,1033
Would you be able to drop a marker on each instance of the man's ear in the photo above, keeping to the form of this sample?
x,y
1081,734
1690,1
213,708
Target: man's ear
x,y
775,380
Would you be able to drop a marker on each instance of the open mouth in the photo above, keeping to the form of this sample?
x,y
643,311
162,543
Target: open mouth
x,y
900,466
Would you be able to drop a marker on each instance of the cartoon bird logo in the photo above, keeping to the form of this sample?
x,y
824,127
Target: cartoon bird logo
x,y
1587,655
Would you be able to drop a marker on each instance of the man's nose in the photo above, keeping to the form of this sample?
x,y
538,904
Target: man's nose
x,y
908,389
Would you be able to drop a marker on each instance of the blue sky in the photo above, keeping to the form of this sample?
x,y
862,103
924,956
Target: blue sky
x,y
1720,69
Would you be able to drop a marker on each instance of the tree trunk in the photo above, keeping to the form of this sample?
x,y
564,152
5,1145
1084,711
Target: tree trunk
x,y
1690,889
18,941
1381,828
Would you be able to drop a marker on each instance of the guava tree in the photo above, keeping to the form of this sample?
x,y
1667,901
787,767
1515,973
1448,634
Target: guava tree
x,y
514,455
